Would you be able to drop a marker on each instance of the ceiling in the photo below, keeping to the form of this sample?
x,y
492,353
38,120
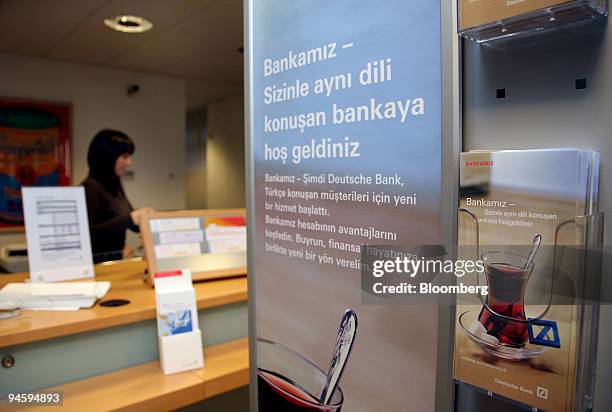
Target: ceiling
x,y
193,39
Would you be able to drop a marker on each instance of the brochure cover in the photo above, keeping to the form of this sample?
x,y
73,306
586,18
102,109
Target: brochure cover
x,y
175,301
226,234
513,203
175,322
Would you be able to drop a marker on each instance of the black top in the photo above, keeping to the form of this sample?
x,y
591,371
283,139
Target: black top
x,y
109,218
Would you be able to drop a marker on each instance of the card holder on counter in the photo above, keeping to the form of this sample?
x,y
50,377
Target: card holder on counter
x,y
182,352
178,332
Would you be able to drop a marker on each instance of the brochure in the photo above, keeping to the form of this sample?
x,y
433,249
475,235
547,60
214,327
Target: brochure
x,y
511,203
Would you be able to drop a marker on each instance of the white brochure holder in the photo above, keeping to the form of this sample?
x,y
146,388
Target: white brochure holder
x,y
179,336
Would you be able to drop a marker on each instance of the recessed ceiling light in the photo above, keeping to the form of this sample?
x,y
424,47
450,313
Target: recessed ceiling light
x,y
129,24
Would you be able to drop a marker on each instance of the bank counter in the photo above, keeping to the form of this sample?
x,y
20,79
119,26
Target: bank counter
x,y
106,358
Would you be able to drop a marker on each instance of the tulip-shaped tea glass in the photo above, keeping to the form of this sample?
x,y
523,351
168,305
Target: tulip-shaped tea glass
x,y
507,279
288,381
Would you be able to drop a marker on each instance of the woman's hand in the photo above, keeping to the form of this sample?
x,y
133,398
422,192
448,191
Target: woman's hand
x,y
128,252
137,214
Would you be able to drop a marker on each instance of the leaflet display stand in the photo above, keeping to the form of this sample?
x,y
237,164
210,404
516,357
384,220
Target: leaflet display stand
x,y
574,298
484,21
210,243
546,91
57,233
179,335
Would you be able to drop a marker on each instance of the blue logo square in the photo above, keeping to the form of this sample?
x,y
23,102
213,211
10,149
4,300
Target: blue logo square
x,y
543,337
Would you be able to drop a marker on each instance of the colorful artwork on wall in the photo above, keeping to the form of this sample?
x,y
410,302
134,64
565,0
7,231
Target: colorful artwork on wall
x,y
34,151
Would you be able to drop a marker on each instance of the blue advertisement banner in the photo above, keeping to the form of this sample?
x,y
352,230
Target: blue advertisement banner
x,y
346,123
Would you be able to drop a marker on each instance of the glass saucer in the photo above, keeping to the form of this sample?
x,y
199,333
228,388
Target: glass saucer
x,y
514,354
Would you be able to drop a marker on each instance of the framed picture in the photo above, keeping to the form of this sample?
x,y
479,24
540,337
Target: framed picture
x,y
34,151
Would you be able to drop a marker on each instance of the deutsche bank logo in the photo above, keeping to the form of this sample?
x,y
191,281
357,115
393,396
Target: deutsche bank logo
x,y
544,333
542,392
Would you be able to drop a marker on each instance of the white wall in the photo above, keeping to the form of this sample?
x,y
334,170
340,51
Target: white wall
x,y
154,118
225,161
195,158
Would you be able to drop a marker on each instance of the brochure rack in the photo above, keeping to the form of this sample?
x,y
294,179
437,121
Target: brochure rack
x,y
490,20
585,266
179,335
545,91
594,229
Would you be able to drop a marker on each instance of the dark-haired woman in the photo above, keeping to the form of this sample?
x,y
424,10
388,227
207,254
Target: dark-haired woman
x,y
110,212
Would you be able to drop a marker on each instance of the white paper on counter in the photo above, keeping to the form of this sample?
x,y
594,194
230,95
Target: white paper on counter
x,y
57,233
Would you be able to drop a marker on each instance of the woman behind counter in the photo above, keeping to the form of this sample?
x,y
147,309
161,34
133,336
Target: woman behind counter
x,y
110,212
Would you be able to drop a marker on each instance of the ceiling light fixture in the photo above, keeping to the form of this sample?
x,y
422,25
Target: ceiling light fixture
x,y
129,24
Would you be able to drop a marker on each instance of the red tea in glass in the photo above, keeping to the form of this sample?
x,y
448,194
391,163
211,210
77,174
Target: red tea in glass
x,y
289,382
277,393
507,281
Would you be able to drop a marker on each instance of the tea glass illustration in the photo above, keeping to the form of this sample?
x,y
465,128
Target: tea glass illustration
x,y
507,279
288,381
